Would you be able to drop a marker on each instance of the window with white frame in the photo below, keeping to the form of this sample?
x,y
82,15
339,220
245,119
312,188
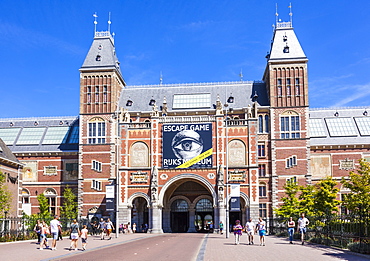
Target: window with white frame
x,y
290,125
261,170
292,180
261,150
96,184
96,131
262,190
288,87
279,87
96,165
263,210
291,162
297,88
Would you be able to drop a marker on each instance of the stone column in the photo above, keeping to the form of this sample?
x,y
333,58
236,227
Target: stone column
x,y
156,219
192,220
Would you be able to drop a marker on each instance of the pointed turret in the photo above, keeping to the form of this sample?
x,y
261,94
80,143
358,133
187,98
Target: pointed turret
x,y
101,77
102,54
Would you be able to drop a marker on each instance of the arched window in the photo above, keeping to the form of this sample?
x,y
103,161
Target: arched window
x,y
139,155
51,195
25,196
179,205
236,153
96,131
204,205
290,125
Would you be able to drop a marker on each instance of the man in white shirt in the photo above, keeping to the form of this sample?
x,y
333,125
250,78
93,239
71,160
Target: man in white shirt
x,y
54,230
249,229
302,226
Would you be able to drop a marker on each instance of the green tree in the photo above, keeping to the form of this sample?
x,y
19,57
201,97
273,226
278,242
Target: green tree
x,y
5,196
289,208
358,200
69,208
307,200
43,206
325,195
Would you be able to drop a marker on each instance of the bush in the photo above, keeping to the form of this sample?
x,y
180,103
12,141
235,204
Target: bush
x,y
321,241
363,248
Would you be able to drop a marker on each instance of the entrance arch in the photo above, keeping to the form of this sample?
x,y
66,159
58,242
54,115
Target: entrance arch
x,y
139,203
179,197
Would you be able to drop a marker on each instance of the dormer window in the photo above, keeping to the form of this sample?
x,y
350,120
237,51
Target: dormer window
x,y
286,49
285,38
98,58
100,47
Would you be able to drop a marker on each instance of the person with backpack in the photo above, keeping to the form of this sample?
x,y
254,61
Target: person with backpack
x,y
75,232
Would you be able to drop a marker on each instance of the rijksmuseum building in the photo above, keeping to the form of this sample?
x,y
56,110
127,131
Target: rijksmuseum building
x,y
179,156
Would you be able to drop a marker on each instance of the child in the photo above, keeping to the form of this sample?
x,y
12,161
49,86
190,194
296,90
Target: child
x,y
84,237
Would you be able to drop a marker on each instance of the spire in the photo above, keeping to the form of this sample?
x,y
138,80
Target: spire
x,y
102,54
285,44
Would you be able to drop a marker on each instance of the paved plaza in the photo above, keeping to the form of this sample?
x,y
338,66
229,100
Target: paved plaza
x,y
187,246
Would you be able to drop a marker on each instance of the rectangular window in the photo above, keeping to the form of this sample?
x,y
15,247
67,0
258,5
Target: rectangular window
x,y
96,132
290,127
96,184
263,210
297,89
279,87
262,191
288,88
262,170
96,165
186,101
261,150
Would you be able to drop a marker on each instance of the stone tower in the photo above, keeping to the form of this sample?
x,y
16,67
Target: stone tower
x,y
287,85
101,83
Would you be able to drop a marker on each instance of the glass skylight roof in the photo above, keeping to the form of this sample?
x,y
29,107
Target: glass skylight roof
x,y
31,136
363,125
56,135
74,138
317,128
188,101
8,135
340,127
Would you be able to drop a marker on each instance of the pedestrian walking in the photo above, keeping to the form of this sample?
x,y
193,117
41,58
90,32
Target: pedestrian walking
x,y
75,232
134,228
250,227
221,226
54,231
261,227
84,232
109,227
237,231
44,233
291,226
302,226
37,229
121,228
102,228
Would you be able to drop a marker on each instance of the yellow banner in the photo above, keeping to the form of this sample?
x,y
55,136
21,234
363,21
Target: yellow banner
x,y
195,160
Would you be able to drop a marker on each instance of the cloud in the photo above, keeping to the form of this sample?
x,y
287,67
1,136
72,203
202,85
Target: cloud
x,y
359,92
32,39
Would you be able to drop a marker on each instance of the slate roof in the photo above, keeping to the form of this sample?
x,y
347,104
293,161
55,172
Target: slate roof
x,y
6,153
102,54
243,93
284,36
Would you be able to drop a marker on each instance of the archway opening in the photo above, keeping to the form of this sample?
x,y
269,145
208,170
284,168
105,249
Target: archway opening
x,y
139,214
179,216
204,215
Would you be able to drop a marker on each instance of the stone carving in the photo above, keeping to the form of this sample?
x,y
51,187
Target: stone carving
x,y
140,155
236,155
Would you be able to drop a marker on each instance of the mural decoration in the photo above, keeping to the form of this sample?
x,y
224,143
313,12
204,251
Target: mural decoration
x,y
30,171
187,146
321,166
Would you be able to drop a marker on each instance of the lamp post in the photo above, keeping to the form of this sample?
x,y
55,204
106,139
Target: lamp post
x,y
226,105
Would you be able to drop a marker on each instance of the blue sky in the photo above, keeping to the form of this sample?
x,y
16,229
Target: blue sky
x,y
44,43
